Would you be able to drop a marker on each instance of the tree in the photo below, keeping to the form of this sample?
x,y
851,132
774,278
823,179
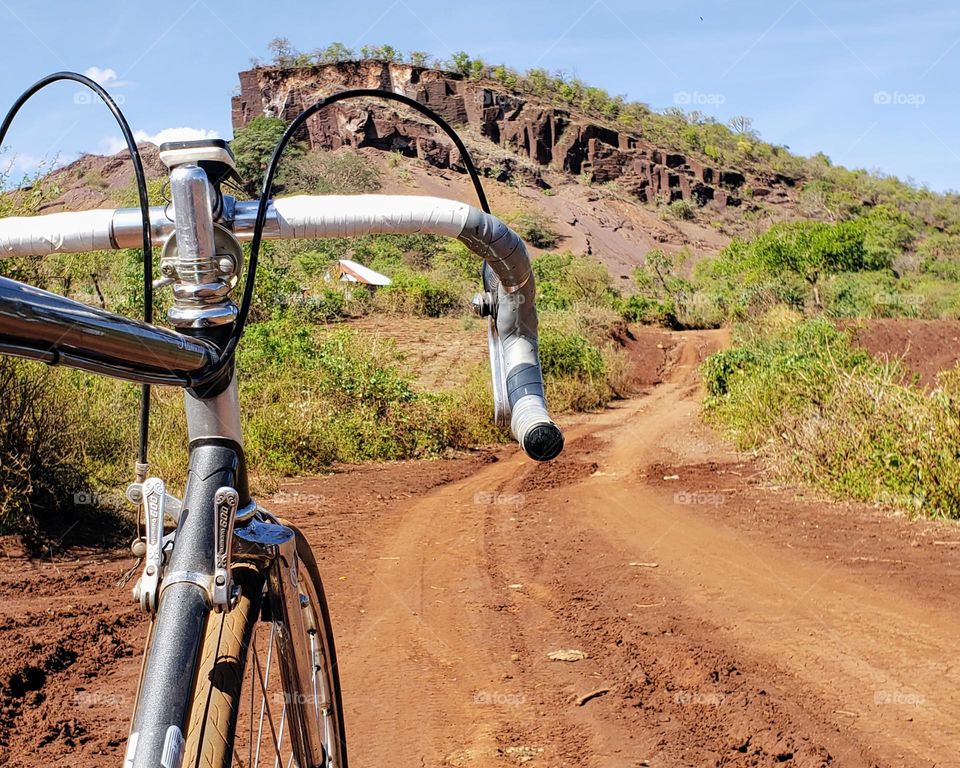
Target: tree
x,y
253,146
460,62
380,53
334,54
538,81
419,58
743,125
811,249
282,50
478,70
505,76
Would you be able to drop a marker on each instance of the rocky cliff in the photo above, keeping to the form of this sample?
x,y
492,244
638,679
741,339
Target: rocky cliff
x,y
530,135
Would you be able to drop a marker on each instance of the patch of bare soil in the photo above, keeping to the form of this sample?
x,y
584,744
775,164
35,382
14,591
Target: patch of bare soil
x,y
925,347
720,621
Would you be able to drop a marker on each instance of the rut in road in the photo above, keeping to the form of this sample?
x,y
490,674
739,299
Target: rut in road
x,y
707,645
724,622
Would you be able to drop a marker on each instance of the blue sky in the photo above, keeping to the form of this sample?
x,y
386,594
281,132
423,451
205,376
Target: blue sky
x,y
873,83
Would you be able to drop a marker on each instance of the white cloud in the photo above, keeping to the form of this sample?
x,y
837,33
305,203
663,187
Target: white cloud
x,y
113,144
107,77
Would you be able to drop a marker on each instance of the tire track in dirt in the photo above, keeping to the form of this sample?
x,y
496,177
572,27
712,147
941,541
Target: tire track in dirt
x,y
760,638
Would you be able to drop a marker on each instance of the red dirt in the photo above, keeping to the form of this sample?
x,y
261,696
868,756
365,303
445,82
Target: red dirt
x,y
731,623
925,347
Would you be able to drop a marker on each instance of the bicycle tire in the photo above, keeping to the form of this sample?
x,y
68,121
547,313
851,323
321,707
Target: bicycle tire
x,y
228,670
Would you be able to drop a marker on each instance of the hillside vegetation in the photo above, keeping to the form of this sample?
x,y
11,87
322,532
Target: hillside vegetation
x,y
316,390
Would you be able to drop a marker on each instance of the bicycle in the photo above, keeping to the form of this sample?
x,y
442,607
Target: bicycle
x,y
231,590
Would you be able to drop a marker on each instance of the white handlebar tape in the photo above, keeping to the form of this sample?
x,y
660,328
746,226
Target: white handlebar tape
x,y
517,362
56,233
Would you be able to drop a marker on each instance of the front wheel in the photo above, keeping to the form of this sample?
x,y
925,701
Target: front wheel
x,y
267,690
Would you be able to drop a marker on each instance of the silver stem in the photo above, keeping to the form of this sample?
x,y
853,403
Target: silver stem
x,y
193,217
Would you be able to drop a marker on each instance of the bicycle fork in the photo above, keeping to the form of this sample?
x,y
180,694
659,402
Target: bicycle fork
x,y
217,524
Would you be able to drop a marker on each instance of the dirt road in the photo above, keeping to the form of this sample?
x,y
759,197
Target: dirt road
x,y
723,622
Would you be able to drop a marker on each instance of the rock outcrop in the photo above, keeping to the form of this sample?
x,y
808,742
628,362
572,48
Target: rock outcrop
x,y
529,134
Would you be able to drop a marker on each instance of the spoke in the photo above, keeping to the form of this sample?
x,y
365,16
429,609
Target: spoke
x,y
313,677
283,721
264,705
253,648
263,700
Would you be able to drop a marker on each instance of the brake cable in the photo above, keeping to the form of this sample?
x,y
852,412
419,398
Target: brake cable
x,y
213,371
144,431
268,179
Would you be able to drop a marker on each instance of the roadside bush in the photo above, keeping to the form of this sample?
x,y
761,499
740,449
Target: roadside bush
x,y
650,311
940,256
842,268
564,280
682,209
425,295
41,464
826,413
346,396
665,298
583,368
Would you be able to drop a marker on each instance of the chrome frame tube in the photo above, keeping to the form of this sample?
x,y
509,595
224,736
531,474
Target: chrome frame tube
x,y
169,671
193,216
214,417
44,325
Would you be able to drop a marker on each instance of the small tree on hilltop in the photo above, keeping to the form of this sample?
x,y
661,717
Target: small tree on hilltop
x,y
282,50
334,54
419,58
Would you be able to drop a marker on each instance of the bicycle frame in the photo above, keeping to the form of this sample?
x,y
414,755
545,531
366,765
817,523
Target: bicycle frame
x,y
218,523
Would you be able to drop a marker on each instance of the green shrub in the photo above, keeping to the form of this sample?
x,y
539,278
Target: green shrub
x,y
253,145
340,172
564,280
940,256
425,295
569,355
316,399
665,298
583,368
650,311
40,453
682,209
535,227
826,413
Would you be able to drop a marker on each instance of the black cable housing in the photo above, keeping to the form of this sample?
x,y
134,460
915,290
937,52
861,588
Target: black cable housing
x,y
144,431
268,179
210,378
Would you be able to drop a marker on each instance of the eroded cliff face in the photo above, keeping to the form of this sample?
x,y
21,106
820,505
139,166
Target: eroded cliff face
x,y
530,136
